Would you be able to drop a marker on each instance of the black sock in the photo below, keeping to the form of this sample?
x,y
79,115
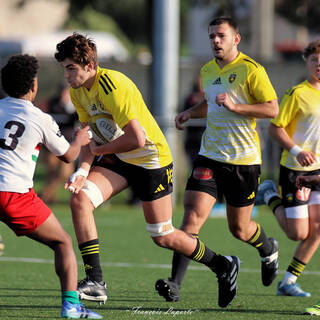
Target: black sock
x,y
274,202
180,265
202,254
260,241
91,260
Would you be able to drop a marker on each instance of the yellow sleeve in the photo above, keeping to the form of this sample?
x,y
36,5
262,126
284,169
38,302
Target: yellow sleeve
x,y
288,109
260,86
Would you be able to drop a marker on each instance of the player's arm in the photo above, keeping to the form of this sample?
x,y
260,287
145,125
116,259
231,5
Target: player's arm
x,y
81,138
308,181
267,109
78,178
198,111
133,138
279,134
86,157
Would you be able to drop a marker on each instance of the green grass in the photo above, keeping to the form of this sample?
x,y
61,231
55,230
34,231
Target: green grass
x,y
132,264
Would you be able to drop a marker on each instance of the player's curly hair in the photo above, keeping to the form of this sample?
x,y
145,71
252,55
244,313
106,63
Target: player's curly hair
x,y
18,75
79,48
313,47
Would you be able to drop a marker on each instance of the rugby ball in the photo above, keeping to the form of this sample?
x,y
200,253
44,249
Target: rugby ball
x,y
104,129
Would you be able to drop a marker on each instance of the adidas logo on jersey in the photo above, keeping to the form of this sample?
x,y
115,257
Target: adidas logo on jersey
x,y
160,188
217,81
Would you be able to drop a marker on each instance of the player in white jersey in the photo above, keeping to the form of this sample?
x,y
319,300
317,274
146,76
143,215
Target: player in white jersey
x,y
297,130
23,128
237,91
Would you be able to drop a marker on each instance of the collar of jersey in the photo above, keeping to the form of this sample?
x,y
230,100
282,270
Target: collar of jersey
x,y
309,85
24,101
239,57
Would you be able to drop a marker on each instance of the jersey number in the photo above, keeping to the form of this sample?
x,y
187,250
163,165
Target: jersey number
x,y
16,130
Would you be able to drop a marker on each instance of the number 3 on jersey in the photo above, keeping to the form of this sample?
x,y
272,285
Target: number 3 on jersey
x,y
15,130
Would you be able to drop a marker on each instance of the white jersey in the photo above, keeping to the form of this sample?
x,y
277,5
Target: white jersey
x,y
23,128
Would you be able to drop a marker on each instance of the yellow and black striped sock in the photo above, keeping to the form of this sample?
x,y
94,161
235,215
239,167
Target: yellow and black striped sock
x,y
296,267
260,241
274,203
214,261
180,265
201,253
90,251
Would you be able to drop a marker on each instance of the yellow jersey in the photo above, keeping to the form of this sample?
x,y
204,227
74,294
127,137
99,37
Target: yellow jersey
x,y
299,115
230,137
116,95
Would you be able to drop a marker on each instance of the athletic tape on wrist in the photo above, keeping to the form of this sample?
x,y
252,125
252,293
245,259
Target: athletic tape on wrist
x,y
295,150
79,172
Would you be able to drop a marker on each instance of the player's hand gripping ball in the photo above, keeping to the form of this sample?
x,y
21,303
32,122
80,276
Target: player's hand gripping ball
x,y
104,129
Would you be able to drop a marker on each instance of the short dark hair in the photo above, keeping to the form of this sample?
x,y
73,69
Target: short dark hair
x,y
230,21
313,47
18,75
79,48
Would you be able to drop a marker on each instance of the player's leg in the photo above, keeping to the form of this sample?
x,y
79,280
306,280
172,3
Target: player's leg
x,y
40,224
200,196
54,236
240,184
197,207
249,231
158,214
268,194
293,217
100,186
304,224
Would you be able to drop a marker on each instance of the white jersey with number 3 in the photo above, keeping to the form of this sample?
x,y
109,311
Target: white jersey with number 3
x,y
23,128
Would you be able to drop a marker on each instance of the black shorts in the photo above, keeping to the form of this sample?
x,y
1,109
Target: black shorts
x,y
238,183
147,184
290,194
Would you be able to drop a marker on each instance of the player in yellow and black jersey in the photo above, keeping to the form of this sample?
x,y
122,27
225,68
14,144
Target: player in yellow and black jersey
x,y
297,130
138,155
237,91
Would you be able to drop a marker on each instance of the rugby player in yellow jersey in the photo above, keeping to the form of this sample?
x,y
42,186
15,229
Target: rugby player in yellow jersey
x,y
237,91
139,156
297,130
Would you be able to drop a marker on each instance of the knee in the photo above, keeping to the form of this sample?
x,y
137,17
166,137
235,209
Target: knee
x,y
78,202
164,241
297,235
64,241
238,232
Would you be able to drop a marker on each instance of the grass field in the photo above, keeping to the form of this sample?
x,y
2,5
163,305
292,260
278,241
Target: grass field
x,y
29,288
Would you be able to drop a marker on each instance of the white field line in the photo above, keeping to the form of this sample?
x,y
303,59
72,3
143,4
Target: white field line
x,y
135,265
